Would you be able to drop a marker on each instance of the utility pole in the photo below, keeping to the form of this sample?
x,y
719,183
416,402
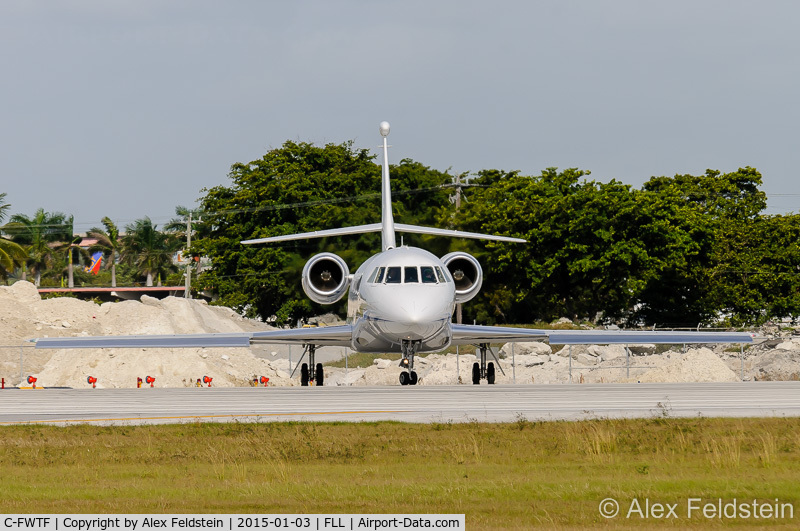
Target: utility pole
x,y
187,291
457,182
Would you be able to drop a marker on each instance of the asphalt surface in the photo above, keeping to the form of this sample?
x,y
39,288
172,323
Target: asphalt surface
x,y
501,403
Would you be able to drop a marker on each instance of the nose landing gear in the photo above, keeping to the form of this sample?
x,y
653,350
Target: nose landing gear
x,y
409,376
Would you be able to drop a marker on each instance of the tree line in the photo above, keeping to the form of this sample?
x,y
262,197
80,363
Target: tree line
x,y
46,247
679,250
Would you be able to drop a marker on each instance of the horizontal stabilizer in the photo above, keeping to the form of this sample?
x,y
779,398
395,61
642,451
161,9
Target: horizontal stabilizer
x,y
399,227
344,231
376,227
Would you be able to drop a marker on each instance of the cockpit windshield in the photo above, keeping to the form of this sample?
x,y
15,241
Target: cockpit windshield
x,y
428,277
393,275
408,275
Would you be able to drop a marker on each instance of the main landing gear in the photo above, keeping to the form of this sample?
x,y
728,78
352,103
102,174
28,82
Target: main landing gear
x,y
309,373
408,376
483,370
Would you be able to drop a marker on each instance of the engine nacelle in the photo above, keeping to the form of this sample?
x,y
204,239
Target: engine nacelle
x,y
467,273
326,278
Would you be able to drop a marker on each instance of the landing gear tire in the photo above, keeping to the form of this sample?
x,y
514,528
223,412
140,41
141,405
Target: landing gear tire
x,y
490,373
476,373
404,378
412,378
319,377
304,375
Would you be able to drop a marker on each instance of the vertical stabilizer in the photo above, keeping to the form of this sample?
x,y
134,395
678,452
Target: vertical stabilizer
x,y
387,220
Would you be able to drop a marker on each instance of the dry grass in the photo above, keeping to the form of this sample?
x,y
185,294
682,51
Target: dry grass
x,y
516,475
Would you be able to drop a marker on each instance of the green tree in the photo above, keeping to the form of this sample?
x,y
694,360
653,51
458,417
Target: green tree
x,y
38,234
300,187
719,220
149,250
12,255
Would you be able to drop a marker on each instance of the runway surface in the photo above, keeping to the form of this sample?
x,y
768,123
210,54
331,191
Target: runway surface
x,y
501,403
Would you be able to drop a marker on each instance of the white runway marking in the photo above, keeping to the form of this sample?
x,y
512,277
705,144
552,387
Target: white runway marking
x,y
501,403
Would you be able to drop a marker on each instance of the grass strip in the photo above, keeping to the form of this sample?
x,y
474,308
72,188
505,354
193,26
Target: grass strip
x,y
502,476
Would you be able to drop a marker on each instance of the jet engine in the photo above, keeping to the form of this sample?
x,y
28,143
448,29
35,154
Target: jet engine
x,y
467,273
326,278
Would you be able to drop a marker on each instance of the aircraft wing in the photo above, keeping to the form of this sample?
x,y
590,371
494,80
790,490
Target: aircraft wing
x,y
323,336
473,334
320,336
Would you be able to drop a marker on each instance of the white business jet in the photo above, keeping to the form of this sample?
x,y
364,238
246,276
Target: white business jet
x,y
400,300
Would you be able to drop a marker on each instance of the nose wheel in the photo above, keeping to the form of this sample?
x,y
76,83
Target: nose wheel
x,y
408,376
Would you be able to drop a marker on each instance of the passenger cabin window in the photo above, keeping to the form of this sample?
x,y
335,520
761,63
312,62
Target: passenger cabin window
x,y
428,277
393,275
440,275
412,275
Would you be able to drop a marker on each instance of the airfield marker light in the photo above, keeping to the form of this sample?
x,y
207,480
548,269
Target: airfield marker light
x,y
207,380
384,128
92,380
3,383
264,381
138,382
150,380
32,381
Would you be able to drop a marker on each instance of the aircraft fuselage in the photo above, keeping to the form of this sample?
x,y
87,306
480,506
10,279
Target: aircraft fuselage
x,y
401,294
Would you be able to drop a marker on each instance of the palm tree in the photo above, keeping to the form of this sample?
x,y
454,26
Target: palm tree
x,y
37,233
109,243
72,246
12,255
148,249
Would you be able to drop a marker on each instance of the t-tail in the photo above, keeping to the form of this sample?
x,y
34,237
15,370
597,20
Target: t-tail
x,y
388,239
387,227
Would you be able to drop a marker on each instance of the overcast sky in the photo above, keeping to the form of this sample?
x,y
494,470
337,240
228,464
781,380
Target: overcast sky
x,y
129,108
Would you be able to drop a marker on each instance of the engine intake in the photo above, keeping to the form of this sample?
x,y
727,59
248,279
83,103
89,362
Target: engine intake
x,y
467,273
326,278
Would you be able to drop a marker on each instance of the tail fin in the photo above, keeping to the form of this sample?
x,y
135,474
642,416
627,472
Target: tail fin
x,y
387,226
387,219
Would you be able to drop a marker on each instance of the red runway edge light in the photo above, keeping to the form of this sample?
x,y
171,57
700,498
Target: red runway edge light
x,y
264,381
150,380
91,380
207,380
32,381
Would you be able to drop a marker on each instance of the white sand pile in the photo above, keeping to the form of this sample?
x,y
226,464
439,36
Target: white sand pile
x,y
697,365
23,315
